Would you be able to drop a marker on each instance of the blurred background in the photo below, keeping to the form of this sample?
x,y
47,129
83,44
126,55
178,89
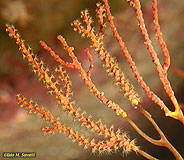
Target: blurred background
x,y
44,20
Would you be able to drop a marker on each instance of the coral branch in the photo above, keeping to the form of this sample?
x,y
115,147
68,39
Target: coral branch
x,y
91,63
177,114
56,57
162,43
109,62
116,139
60,86
129,59
101,146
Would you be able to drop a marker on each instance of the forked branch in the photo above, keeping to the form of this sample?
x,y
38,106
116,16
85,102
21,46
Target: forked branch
x,y
59,84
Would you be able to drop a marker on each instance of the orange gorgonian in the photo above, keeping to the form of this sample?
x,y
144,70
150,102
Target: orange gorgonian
x,y
59,83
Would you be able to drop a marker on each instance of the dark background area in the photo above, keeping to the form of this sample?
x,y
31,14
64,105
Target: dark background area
x,y
44,20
